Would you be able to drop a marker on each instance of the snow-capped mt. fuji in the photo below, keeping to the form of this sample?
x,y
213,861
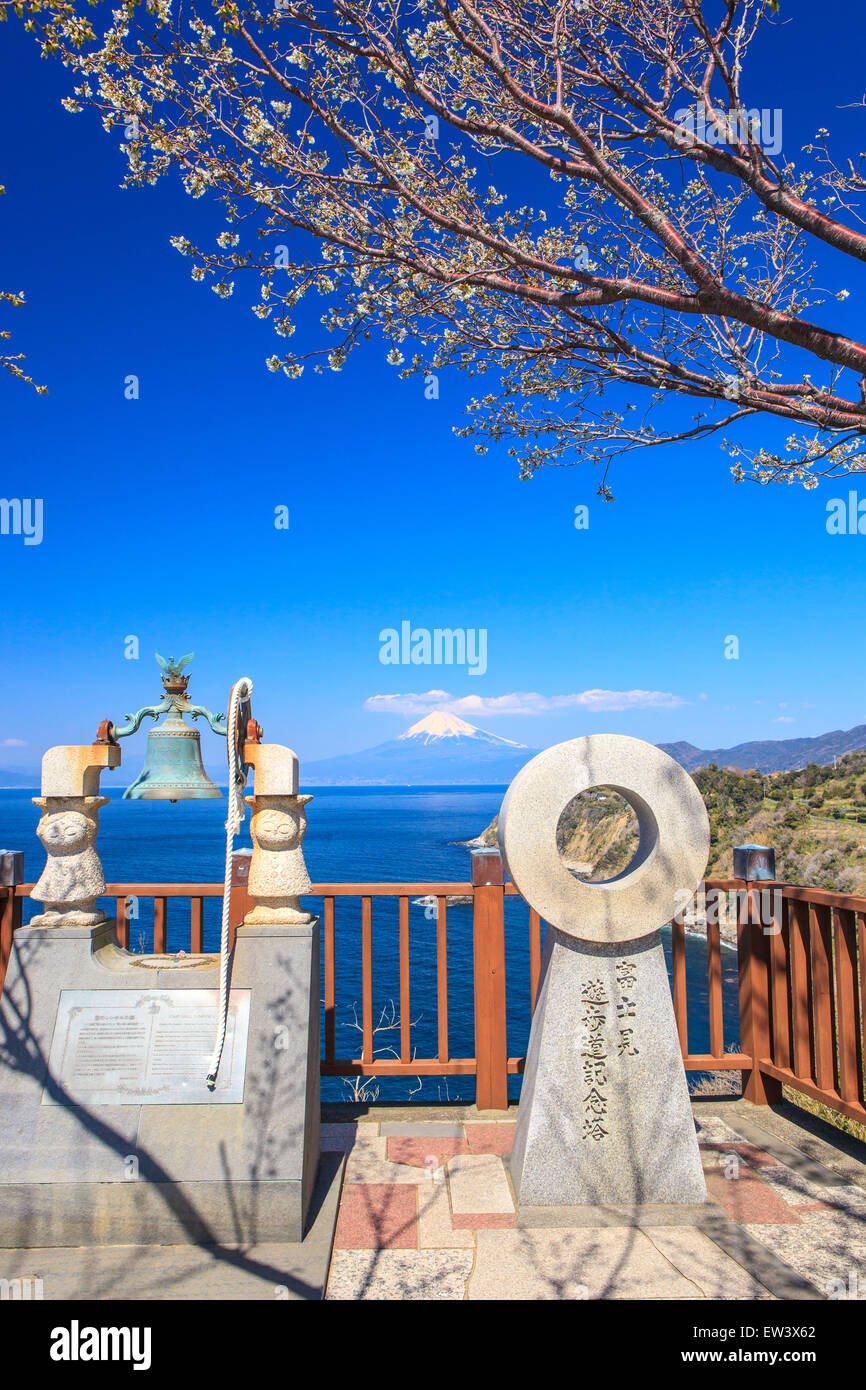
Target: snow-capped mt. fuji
x,y
442,724
440,750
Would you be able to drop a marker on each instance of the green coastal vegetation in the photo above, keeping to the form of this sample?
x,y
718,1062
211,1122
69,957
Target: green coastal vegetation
x,y
814,818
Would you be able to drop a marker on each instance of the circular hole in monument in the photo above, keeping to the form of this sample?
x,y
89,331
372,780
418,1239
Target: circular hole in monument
x,y
597,835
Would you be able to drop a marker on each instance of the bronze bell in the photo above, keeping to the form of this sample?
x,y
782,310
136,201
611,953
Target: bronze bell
x,y
173,769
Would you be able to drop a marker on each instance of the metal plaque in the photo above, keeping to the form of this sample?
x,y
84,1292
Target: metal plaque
x,y
146,1047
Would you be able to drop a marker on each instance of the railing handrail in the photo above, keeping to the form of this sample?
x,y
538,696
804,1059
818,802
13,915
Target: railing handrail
x,y
797,892
318,890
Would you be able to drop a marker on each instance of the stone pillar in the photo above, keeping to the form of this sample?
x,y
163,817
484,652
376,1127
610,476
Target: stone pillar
x,y
278,874
72,879
277,946
604,1113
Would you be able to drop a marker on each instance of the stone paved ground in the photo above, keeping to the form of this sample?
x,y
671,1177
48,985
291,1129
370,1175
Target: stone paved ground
x,y
427,1212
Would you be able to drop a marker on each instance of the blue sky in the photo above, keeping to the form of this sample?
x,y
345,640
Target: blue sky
x,y
158,513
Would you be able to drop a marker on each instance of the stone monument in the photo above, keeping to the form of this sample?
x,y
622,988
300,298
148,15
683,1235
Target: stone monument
x,y
109,1133
604,1115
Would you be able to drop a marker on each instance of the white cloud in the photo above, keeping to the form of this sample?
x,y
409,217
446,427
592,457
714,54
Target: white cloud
x,y
522,702
13,743
784,719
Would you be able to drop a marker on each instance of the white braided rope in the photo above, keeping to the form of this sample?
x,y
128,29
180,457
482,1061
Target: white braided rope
x,y
241,690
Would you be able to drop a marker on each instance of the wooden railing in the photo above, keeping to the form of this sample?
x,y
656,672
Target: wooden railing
x,y
801,955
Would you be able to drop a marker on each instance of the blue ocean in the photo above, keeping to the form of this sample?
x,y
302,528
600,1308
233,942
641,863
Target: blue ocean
x,y
357,835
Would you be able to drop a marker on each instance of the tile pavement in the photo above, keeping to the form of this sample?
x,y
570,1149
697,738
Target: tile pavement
x,y
428,1212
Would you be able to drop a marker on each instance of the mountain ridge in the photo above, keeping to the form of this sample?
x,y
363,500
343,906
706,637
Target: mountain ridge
x,y
772,755
443,749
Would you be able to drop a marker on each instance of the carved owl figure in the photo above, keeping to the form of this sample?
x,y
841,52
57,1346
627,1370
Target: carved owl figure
x,y
73,872
66,832
280,829
277,870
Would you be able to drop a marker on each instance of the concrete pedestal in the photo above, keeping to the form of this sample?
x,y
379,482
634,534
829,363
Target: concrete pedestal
x,y
604,1112
160,1174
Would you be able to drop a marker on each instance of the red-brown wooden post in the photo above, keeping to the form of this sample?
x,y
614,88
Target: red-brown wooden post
x,y
678,953
821,948
159,928
780,992
122,921
848,1007
240,902
801,989
11,874
330,984
196,926
367,979
753,953
488,929
712,901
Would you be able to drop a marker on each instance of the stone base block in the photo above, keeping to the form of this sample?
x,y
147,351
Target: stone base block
x,y
160,1173
42,1215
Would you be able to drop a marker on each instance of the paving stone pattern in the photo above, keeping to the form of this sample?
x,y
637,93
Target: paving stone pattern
x,y
428,1212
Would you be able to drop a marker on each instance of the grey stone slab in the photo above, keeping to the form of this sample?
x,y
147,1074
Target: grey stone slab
x,y
810,1155
776,1275
713,1129
266,1271
76,1175
792,1125
478,1185
574,1264
701,1260
407,1130
645,1214
192,1139
341,1138
399,1275
604,1114
147,1212
41,1144
828,1248
342,1111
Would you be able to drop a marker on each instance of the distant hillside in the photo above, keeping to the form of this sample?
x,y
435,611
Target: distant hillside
x,y
26,778
772,755
814,818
